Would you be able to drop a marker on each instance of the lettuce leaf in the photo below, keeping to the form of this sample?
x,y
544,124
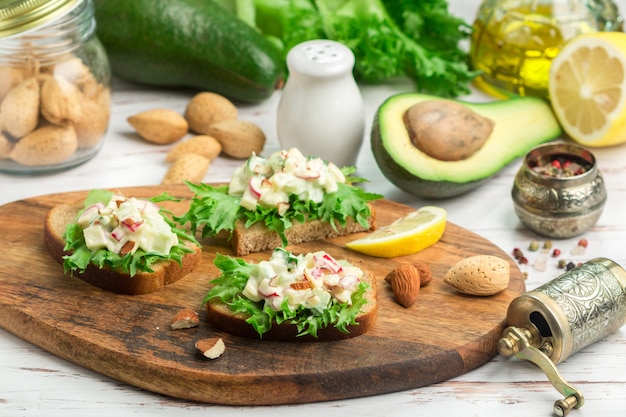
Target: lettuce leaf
x,y
420,39
212,210
229,285
140,261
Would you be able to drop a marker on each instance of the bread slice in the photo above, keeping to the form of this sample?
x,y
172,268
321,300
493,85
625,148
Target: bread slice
x,y
165,272
257,237
221,317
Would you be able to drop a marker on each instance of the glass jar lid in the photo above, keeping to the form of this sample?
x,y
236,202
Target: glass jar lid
x,y
17,16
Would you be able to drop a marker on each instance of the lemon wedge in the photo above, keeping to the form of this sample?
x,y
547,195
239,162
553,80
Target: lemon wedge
x,y
587,88
408,235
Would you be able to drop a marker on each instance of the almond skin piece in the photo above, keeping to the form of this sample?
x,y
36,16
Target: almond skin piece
x,y
212,347
160,126
239,138
206,108
405,284
481,275
185,319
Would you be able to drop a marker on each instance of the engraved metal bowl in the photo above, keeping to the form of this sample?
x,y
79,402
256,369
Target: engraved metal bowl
x,y
558,207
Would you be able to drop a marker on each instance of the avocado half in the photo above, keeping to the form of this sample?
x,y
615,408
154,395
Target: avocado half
x,y
520,124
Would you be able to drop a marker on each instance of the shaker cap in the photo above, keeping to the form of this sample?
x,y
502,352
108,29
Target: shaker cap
x,y
17,16
320,58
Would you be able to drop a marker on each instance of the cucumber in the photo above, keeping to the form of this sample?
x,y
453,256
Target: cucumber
x,y
188,43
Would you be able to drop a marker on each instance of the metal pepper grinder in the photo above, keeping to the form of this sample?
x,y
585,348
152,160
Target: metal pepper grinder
x,y
557,319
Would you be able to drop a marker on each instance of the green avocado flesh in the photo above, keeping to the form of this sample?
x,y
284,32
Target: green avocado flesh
x,y
520,124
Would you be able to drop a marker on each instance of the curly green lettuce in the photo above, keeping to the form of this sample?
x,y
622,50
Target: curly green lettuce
x,y
420,39
228,287
213,210
132,263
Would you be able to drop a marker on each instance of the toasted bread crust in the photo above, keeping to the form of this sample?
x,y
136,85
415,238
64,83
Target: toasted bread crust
x,y
221,317
165,272
258,238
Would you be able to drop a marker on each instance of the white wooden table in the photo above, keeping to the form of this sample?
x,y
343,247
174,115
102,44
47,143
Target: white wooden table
x,y
35,383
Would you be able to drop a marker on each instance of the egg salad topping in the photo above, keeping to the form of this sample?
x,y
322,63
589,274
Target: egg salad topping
x,y
125,225
269,182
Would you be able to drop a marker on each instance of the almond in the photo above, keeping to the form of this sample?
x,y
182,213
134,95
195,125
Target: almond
x,y
5,146
19,111
9,77
189,167
185,319
49,144
212,347
481,275
425,273
206,108
300,285
94,118
202,145
239,138
60,101
405,284
160,126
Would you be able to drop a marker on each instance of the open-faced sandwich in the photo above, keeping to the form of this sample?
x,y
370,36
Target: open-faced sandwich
x,y
306,297
125,245
287,198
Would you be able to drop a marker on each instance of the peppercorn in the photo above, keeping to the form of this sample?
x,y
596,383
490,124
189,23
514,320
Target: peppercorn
x,y
570,266
517,253
523,260
547,244
534,246
583,243
562,264
556,253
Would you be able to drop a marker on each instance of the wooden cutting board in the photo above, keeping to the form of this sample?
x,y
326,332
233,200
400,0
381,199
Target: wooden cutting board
x,y
128,338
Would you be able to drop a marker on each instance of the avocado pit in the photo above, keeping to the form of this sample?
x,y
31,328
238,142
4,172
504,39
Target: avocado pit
x,y
446,130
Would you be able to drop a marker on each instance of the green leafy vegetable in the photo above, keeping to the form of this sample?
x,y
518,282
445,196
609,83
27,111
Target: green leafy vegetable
x,y
420,39
212,210
139,261
229,285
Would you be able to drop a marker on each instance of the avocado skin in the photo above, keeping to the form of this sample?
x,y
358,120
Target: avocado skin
x,y
187,43
414,185
422,186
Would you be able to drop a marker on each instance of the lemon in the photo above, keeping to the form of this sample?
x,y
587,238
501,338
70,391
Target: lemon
x,y
407,235
587,88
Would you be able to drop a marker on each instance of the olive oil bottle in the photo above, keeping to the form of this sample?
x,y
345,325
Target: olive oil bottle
x,y
514,41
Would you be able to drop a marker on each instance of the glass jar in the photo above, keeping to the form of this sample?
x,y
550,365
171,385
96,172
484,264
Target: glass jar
x,y
55,95
514,41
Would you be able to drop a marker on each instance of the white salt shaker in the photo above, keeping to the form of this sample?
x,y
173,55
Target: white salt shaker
x,y
321,109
